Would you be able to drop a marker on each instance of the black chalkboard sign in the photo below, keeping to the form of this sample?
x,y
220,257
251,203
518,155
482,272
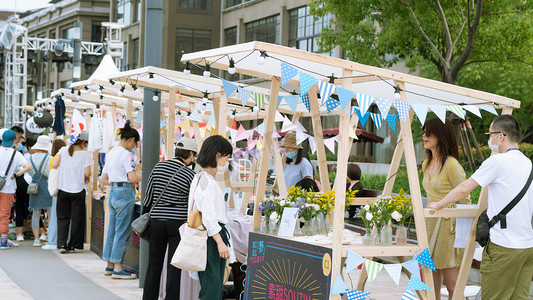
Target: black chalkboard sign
x,y
279,268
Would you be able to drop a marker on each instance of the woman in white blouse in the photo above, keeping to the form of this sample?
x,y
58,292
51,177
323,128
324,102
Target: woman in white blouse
x,y
209,199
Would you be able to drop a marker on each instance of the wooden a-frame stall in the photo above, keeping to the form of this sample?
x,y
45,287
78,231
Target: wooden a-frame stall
x,y
367,80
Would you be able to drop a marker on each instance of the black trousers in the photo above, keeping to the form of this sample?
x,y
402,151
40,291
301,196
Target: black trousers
x,y
162,232
23,201
70,208
212,279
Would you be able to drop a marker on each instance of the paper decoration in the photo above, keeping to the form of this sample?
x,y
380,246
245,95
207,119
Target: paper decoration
x,y
395,271
287,73
260,129
194,116
473,109
251,144
312,144
162,124
421,110
338,286
383,105
244,95
345,97
330,143
259,144
403,109
392,119
440,111
378,120
353,260
299,125
278,117
416,284
408,295
364,102
352,134
275,134
233,135
325,89
211,120
229,87
356,295
306,82
305,100
292,102
412,267
300,136
259,99
331,104
425,259
456,109
280,98
362,118
287,125
372,268
255,153
242,134
488,108
202,132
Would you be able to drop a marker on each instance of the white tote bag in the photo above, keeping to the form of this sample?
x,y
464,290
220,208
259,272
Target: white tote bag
x,y
53,182
191,254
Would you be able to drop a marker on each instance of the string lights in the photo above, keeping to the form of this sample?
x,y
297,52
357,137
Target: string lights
x,y
262,58
207,71
187,70
121,91
231,68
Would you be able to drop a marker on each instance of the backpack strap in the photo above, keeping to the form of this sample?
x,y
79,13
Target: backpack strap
x,y
10,161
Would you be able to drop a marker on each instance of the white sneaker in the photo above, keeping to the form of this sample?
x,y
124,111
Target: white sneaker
x,y
36,243
49,247
20,238
43,237
10,243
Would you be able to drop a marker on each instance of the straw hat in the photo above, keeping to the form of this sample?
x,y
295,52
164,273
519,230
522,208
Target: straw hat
x,y
43,143
289,141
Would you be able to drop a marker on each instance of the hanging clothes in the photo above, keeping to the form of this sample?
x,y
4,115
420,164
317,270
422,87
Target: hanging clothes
x,y
59,126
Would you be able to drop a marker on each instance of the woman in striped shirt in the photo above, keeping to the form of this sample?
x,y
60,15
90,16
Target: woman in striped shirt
x,y
167,216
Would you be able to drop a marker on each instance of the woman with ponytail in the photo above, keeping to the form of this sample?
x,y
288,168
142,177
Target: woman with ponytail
x,y
121,172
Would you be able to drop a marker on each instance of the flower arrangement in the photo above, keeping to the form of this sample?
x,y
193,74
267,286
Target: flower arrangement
x,y
402,208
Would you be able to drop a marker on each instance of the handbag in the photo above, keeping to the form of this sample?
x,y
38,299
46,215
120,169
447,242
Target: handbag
x,y
33,187
3,177
195,216
53,182
191,254
141,224
484,225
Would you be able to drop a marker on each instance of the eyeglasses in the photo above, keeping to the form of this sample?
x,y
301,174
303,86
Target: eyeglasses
x,y
487,134
425,132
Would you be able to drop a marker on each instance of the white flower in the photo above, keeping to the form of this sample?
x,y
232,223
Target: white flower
x,y
367,207
282,203
396,216
315,206
274,216
369,216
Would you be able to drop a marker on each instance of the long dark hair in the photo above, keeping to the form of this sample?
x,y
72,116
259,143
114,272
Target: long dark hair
x,y
56,145
299,156
71,147
127,132
446,141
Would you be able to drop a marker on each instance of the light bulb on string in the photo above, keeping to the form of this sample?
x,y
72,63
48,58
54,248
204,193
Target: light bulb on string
x,y
237,94
207,71
87,89
187,70
78,96
155,97
134,86
151,77
205,98
397,91
63,96
101,99
231,68
262,58
112,81
121,91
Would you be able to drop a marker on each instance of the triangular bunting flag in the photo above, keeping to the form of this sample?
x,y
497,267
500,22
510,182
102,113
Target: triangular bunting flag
x,y
356,295
287,73
440,111
416,284
306,82
259,144
364,101
412,267
353,135
299,125
372,269
195,117
331,104
292,102
242,134
255,153
229,87
233,135
312,144
395,271
456,109
162,124
383,105
259,99
325,89
473,109
278,117
488,108
378,120
275,134
345,97
251,144
330,143
421,110
211,120
403,109
425,259
362,118
338,286
353,260
202,132
392,119
244,95
305,100
287,125
300,136
408,295
260,129
279,101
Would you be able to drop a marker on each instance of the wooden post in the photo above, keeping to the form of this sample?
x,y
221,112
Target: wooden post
x,y
278,168
221,116
129,111
171,125
265,155
319,140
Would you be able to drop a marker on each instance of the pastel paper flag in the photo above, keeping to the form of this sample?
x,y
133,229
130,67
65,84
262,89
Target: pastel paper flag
x,y
364,101
233,135
408,295
352,134
251,144
280,98
275,134
392,119
440,111
278,117
259,144
229,87
259,99
416,284
211,120
353,260
488,108
300,137
292,102
305,100
244,95
242,134
287,73
378,120
412,267
162,124
331,104
356,295
395,271
338,286
306,82
255,153
362,118
195,117
403,109
345,97
421,110
299,125
425,259
456,109
473,109
260,129
287,125
330,143
325,89
372,268
383,105
312,144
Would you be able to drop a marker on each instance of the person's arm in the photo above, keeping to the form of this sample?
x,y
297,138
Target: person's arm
x,y
457,194
223,249
87,174
25,169
134,176
456,176
104,179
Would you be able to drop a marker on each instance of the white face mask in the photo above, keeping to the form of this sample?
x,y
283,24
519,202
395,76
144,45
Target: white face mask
x,y
224,167
492,147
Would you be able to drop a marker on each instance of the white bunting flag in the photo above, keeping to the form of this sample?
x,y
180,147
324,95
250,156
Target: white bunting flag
x,y
300,136
330,144
233,135
473,109
421,110
353,260
287,125
325,89
395,271
352,134
456,109
384,106
299,125
312,144
488,108
440,111
372,269
278,117
364,102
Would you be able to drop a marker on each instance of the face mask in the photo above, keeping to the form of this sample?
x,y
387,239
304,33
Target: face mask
x,y
291,155
20,147
223,168
492,147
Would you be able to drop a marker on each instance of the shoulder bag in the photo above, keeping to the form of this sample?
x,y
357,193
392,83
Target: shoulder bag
x,y
3,177
484,224
33,187
53,182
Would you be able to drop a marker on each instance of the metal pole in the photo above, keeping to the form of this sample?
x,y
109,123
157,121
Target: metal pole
x,y
153,52
76,58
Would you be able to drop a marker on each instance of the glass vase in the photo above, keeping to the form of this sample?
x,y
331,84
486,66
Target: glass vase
x,y
297,230
274,227
265,226
325,226
386,235
367,238
401,235
308,228
376,236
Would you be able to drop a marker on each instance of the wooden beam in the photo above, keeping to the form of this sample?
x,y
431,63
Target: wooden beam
x,y
319,140
451,213
171,123
278,168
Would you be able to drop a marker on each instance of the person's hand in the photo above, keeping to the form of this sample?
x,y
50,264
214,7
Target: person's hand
x,y
13,176
435,205
223,250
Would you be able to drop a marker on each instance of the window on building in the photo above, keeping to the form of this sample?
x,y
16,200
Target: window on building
x,y
96,33
230,36
264,30
304,30
230,3
191,40
68,33
137,13
123,12
124,62
198,5
135,54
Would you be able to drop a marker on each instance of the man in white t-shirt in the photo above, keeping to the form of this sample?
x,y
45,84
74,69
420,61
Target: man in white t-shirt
x,y
507,263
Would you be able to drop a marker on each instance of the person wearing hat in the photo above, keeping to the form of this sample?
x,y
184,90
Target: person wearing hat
x,y
168,215
40,170
74,163
297,167
10,160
